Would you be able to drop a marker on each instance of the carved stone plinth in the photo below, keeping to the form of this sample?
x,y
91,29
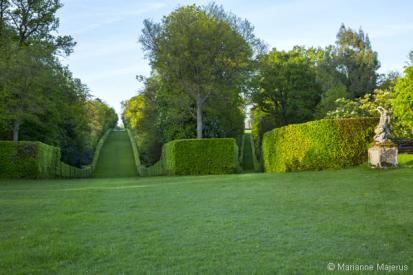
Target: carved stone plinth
x,y
383,156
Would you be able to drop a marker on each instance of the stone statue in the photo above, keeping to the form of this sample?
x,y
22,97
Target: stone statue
x,y
382,130
384,152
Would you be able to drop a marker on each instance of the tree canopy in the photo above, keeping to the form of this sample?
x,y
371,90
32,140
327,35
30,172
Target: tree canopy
x,y
40,99
200,54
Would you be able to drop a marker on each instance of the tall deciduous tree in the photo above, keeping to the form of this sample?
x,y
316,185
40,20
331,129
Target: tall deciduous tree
x,y
356,61
286,87
199,54
33,24
403,102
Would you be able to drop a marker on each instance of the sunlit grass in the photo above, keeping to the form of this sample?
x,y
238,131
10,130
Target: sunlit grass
x,y
248,223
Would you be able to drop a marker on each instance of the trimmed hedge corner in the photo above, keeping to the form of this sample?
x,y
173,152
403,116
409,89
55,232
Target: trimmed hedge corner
x,y
318,145
196,157
35,160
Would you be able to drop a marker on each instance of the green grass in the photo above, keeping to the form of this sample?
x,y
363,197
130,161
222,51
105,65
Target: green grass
x,y
116,157
247,161
239,224
406,160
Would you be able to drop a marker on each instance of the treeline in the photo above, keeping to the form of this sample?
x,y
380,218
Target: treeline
x,y
207,66
40,100
201,59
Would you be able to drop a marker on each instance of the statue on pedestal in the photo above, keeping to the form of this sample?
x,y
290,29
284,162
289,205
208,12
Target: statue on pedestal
x,y
384,152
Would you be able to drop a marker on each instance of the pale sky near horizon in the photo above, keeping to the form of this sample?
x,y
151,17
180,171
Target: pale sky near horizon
x,y
108,57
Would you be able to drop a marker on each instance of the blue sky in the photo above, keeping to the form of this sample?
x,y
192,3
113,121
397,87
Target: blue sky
x,y
108,56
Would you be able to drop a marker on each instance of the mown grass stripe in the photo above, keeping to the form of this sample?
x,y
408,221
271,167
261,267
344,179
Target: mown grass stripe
x,y
116,158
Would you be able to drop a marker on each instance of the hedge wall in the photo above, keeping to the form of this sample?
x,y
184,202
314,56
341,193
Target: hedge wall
x,y
196,157
18,160
134,150
35,160
318,145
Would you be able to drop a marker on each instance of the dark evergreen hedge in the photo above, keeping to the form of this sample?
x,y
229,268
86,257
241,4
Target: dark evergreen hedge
x,y
318,145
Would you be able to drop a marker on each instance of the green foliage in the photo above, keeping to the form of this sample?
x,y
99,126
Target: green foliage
x,y
35,160
203,56
286,87
261,123
405,160
40,100
403,103
196,157
18,160
356,61
160,114
318,145
329,100
64,170
398,100
347,69
134,150
365,106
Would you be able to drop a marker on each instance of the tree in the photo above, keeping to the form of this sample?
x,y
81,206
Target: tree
x,y
4,6
199,55
356,61
388,81
36,20
31,48
286,87
23,78
403,102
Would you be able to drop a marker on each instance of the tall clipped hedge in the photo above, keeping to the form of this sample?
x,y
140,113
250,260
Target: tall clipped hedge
x,y
35,160
318,145
196,157
28,159
134,150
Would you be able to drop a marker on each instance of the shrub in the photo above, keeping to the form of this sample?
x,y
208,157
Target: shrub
x,y
318,145
196,157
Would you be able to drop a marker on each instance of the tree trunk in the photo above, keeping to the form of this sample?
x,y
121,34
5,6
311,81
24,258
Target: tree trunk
x,y
16,129
199,125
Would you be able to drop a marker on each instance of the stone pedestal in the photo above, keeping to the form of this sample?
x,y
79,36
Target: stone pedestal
x,y
383,156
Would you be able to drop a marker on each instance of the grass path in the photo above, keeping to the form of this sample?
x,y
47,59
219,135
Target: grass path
x,y
247,162
116,157
293,223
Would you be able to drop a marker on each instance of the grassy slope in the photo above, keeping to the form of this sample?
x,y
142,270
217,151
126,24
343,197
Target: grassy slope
x,y
247,162
286,223
116,157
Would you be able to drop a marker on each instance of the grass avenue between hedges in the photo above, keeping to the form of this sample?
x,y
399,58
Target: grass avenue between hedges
x,y
248,223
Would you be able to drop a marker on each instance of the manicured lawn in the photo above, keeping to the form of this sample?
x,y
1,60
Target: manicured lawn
x,y
288,223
